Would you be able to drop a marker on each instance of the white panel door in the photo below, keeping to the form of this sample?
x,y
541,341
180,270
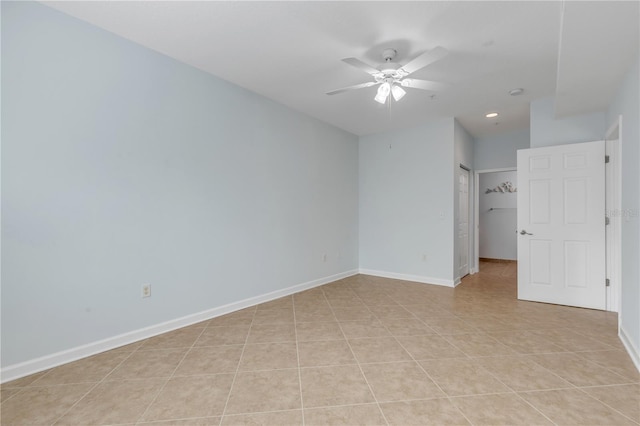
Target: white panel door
x,y
561,225
463,222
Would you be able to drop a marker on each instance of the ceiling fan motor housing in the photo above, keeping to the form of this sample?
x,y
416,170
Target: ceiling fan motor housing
x,y
390,69
389,54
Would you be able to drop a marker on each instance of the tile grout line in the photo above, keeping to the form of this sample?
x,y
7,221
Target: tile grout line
x,y
607,405
295,331
92,387
420,365
533,406
250,413
610,386
20,390
605,367
235,375
141,416
77,402
582,359
375,398
513,391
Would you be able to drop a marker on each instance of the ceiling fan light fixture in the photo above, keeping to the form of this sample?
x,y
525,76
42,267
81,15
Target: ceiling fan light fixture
x,y
391,75
398,92
383,93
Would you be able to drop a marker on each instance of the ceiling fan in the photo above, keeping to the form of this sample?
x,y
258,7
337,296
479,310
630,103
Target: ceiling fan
x,y
391,76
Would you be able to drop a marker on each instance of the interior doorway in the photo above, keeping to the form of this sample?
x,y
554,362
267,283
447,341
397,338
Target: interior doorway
x,y
495,219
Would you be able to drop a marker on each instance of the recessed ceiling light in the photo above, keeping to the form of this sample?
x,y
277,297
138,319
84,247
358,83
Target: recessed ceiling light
x,y
516,92
492,115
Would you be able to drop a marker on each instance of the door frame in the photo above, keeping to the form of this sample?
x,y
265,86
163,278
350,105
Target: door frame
x,y
476,213
470,222
613,200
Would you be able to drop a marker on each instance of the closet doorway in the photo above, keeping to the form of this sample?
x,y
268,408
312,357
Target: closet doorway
x,y
496,221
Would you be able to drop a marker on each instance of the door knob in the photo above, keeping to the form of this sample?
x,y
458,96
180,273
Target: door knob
x,y
523,232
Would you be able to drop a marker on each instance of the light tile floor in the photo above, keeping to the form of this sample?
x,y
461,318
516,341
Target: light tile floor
x,y
363,350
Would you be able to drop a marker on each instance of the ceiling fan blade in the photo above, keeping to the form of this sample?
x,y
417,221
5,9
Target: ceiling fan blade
x,y
361,65
425,59
414,83
357,86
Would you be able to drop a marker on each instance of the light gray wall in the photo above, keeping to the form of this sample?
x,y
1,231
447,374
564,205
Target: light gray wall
x,y
626,103
546,130
406,201
497,228
499,151
121,166
463,148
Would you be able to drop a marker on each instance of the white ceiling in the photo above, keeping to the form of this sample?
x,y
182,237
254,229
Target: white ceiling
x,y
291,52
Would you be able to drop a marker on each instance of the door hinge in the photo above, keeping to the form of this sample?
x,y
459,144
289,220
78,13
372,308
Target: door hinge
x,y
607,221
606,158
607,283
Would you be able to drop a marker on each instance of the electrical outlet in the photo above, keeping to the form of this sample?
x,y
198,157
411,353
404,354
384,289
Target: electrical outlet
x,y
146,290
424,257
324,257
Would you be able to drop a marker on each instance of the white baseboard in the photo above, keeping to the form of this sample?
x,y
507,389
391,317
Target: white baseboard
x,y
406,277
46,362
633,352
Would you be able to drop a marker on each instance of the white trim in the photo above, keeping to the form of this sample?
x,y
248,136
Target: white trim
x,y
502,169
470,220
633,352
22,369
407,277
615,128
613,145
